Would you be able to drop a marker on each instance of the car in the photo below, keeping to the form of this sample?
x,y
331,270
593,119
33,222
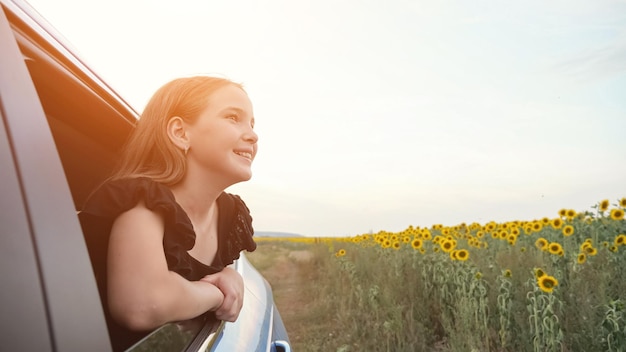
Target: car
x,y
61,133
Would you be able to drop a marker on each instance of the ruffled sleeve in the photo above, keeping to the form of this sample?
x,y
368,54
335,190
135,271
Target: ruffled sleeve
x,y
116,197
236,226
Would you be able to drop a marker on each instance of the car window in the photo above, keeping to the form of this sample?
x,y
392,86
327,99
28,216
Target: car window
x,y
175,336
89,125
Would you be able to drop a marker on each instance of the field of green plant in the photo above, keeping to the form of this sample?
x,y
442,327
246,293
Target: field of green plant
x,y
551,284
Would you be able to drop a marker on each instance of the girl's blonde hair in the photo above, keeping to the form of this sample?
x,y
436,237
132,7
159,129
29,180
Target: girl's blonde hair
x,y
149,152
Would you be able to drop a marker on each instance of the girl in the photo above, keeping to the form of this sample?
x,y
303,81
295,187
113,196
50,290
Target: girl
x,y
161,231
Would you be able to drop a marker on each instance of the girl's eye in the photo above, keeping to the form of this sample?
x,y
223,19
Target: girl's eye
x,y
233,117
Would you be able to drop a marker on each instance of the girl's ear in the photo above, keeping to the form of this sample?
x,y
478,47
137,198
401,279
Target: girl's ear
x,y
177,133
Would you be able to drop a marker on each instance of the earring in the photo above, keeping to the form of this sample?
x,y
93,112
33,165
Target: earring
x,y
186,150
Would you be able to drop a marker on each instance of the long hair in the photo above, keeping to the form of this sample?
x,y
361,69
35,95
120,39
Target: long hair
x,y
149,152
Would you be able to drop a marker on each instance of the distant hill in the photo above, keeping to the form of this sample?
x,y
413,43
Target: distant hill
x,y
275,234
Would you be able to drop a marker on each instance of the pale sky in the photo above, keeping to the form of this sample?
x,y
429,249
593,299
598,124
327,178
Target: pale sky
x,y
377,115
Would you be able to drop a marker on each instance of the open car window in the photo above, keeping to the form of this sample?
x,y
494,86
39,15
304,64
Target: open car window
x,y
89,124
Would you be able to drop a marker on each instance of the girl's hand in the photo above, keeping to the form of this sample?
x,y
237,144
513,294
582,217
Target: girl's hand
x,y
231,284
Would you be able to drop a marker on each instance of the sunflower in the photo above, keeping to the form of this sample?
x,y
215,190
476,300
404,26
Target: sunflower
x,y
507,273
562,213
620,240
386,243
396,245
591,251
523,249
478,275
537,226
539,272
541,243
571,213
547,283
555,248
613,248
417,243
622,202
462,255
557,223
453,255
447,246
480,234
568,230
617,214
582,257
340,253
406,239
604,205
502,234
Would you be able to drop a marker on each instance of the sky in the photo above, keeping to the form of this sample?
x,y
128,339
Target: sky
x,y
377,115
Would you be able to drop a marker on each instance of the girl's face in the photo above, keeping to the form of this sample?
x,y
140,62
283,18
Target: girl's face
x,y
222,139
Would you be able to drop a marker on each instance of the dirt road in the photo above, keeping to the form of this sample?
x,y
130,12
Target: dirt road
x,y
285,270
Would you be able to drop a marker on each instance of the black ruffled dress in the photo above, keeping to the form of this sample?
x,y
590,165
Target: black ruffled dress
x,y
115,197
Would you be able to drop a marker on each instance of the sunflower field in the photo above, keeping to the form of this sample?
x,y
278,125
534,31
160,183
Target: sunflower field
x,y
551,284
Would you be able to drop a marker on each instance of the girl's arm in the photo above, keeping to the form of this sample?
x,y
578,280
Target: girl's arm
x,y
142,293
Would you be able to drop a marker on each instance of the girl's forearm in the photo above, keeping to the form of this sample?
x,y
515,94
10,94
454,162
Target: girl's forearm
x,y
173,299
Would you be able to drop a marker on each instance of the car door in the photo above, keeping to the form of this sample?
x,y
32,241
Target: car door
x,y
49,299
62,131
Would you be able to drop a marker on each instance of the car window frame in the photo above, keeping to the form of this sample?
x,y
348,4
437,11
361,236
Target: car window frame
x,y
16,248
74,317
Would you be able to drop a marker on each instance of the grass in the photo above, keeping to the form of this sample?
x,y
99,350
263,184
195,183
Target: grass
x,y
461,288
295,293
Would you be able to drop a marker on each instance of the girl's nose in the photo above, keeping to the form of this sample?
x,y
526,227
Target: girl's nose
x,y
251,136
